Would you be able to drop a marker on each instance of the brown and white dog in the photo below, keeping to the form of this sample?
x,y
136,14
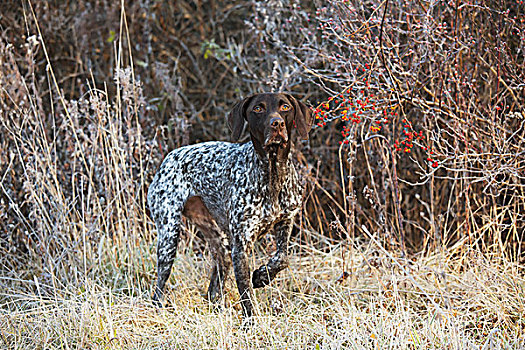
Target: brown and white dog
x,y
234,193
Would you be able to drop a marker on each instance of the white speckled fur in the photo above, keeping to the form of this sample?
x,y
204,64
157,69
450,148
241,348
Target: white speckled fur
x,y
220,173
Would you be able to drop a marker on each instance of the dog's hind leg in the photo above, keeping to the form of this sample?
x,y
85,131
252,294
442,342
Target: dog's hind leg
x,y
218,244
220,270
166,251
169,224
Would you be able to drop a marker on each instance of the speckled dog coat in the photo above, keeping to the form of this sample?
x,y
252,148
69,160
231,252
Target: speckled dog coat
x,y
234,193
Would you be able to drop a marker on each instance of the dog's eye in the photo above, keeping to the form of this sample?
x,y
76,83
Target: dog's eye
x,y
285,107
257,109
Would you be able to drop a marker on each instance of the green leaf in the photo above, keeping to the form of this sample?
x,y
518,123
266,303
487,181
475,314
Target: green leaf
x,y
111,37
141,63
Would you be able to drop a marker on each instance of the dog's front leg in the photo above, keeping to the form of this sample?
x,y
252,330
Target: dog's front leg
x,y
242,274
266,273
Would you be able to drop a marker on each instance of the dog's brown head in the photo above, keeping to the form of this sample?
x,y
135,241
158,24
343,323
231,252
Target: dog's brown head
x,y
270,118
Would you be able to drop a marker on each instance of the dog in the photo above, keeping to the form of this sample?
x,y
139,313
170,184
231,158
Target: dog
x,y
234,193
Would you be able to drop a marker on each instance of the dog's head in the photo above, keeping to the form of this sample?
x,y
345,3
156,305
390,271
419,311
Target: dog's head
x,y
270,118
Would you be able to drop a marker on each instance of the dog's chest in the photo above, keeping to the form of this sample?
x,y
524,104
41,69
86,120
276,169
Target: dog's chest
x,y
260,208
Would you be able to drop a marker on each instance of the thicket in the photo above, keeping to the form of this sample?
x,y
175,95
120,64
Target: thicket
x,y
419,138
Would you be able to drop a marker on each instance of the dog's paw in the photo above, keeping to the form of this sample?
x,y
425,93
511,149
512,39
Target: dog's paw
x,y
260,277
157,303
157,299
247,323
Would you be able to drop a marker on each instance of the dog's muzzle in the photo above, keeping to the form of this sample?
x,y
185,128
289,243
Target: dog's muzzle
x,y
277,133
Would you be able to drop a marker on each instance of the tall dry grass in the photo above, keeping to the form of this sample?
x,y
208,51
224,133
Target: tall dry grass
x,y
431,302
77,248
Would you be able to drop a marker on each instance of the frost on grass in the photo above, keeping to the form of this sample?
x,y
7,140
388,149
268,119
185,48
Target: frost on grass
x,y
432,302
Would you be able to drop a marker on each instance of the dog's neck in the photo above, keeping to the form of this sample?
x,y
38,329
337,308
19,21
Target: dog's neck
x,y
278,169
275,164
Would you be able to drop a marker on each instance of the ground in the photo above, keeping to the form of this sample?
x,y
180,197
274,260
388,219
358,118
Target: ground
x,y
452,300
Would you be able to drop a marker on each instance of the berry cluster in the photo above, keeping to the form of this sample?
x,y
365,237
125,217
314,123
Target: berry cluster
x,y
352,105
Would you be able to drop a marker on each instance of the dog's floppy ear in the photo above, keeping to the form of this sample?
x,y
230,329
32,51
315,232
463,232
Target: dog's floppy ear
x,y
303,117
236,118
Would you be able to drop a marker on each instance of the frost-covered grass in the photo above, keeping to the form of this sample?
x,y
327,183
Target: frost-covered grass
x,y
441,301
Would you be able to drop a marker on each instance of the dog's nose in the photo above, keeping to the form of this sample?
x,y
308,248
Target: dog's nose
x,y
277,123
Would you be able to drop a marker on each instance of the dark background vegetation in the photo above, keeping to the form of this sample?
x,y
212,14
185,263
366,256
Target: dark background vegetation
x,y
453,71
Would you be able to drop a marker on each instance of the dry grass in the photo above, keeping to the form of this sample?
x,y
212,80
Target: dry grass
x,y
436,301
